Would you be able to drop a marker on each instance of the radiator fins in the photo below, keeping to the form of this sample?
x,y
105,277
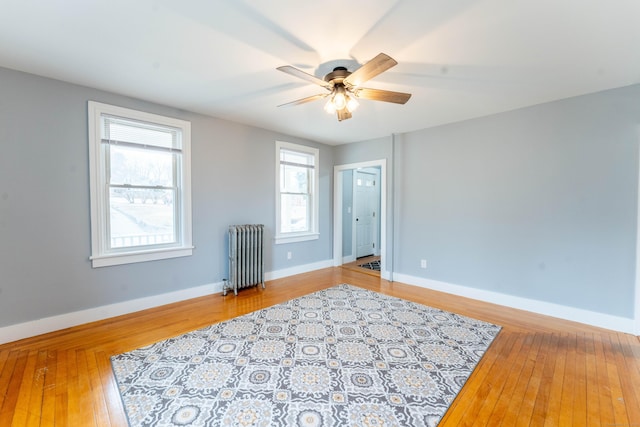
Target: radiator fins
x,y
246,257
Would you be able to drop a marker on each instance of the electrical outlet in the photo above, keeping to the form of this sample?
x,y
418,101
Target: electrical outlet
x,y
423,263
288,255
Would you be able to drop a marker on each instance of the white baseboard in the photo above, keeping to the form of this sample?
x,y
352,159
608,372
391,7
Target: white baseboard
x,y
67,320
587,317
349,258
63,321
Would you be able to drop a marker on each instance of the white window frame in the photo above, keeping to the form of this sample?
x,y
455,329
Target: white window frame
x,y
313,233
101,256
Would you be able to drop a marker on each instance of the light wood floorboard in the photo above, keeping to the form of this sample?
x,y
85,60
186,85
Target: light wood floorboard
x,y
355,265
539,371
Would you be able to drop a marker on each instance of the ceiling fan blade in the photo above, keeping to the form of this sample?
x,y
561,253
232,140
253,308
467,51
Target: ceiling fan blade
x,y
304,76
304,100
377,65
343,114
382,95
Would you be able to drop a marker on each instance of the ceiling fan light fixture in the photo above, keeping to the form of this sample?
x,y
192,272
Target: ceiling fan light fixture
x,y
329,107
339,99
352,103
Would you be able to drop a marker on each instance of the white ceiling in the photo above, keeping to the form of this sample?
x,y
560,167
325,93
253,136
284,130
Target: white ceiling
x,y
459,58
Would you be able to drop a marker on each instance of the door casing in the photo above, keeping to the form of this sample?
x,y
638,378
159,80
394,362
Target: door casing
x,y
337,212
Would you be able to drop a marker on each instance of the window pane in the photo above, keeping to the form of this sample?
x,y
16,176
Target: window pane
x,y
296,157
141,217
130,165
294,179
140,133
294,213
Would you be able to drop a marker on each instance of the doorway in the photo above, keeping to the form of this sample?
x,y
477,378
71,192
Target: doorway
x,y
366,195
373,237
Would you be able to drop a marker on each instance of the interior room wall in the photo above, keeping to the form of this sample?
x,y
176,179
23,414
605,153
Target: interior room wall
x,y
44,202
538,203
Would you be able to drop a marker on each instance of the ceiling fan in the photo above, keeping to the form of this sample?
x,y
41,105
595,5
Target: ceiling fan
x,y
344,88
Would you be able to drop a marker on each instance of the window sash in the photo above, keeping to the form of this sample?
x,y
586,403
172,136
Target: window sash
x,y
289,215
116,243
157,239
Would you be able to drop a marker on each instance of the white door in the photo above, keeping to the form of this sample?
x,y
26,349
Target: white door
x,y
365,210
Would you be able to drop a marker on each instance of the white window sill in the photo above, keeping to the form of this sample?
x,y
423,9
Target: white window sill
x,y
296,238
139,256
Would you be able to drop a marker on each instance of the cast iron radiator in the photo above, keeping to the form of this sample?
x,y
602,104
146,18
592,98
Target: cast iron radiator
x,y
246,257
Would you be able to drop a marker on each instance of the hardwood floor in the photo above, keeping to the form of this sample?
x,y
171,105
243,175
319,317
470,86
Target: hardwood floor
x,y
539,371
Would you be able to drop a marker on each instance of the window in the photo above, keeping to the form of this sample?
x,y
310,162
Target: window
x,y
140,186
296,192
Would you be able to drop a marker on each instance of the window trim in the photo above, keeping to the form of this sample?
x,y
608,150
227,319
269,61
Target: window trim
x,y
100,256
299,236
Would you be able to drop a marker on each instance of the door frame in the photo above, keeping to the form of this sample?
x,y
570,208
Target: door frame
x,y
636,309
337,211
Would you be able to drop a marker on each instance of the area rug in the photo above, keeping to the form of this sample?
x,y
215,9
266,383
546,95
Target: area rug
x,y
373,265
344,356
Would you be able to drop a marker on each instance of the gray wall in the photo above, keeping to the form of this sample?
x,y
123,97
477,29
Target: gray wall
x,y
539,203
44,202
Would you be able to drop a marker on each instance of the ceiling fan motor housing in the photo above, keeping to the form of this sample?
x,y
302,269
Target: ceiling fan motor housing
x,y
337,75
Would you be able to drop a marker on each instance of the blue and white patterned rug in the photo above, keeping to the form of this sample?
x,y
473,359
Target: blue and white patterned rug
x,y
344,356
